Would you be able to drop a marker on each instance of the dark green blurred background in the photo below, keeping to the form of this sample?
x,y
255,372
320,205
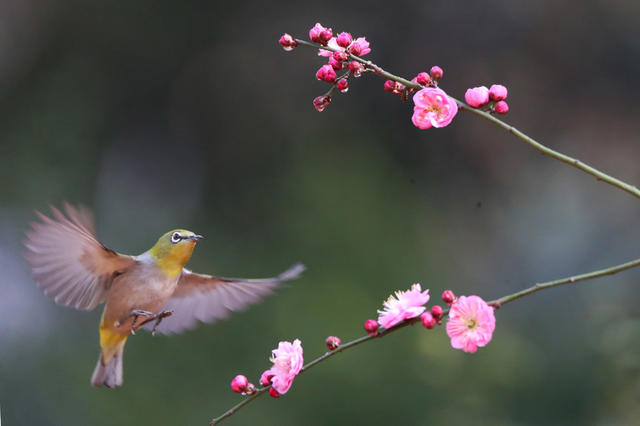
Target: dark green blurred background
x,y
165,114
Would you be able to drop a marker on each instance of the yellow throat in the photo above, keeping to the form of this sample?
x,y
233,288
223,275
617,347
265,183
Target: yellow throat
x,y
173,250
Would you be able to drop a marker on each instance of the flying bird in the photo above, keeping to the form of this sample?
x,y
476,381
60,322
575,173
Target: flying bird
x,y
71,266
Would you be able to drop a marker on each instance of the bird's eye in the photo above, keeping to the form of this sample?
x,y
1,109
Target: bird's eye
x,y
176,237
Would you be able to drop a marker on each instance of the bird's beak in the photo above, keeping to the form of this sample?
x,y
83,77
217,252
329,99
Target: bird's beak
x,y
196,237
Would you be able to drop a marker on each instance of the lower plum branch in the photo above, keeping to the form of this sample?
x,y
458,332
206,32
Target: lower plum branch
x,y
496,303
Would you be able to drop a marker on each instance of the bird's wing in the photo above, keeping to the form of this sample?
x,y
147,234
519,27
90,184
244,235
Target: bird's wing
x,y
207,298
68,262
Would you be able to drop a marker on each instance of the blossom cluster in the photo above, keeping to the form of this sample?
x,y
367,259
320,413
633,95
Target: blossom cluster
x,y
342,51
471,320
492,99
287,362
432,106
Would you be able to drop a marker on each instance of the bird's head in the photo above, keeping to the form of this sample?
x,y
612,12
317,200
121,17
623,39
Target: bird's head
x,y
173,250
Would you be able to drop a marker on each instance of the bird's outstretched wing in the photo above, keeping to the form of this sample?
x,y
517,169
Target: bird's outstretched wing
x,y
207,298
68,262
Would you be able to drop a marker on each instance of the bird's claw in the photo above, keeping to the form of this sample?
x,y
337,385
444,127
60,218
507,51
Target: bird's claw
x,y
136,313
159,317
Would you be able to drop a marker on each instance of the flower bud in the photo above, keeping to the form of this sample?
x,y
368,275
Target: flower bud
x,y
321,102
340,55
343,85
436,311
436,72
314,33
335,64
265,378
371,326
344,39
389,86
332,342
251,388
239,383
501,107
287,42
325,36
274,393
356,68
497,92
477,96
423,79
428,320
448,297
326,73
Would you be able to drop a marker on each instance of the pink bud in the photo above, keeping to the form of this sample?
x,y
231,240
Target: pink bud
x,y
321,102
428,320
340,55
265,378
326,73
436,311
239,383
344,39
436,72
356,68
501,107
371,326
250,389
332,342
274,393
497,92
335,64
389,86
343,85
477,96
448,297
314,33
287,42
423,79
325,36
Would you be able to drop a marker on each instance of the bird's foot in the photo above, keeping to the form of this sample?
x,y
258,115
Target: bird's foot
x,y
136,313
158,318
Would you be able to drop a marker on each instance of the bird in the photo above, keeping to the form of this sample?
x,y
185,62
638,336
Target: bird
x,y
152,290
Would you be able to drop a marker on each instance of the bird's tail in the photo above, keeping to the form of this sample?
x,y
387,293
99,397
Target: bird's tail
x,y
108,371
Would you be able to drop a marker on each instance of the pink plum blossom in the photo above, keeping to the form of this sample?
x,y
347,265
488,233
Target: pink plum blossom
x,y
428,320
497,92
432,107
405,305
471,323
359,47
477,96
287,362
287,42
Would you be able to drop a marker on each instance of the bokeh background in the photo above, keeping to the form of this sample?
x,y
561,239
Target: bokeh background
x,y
162,114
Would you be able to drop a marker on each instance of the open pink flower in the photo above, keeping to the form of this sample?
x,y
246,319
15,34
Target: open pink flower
x,y
471,323
406,304
433,108
287,362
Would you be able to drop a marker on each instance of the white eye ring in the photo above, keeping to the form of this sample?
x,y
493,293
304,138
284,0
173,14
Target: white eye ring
x,y
176,237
